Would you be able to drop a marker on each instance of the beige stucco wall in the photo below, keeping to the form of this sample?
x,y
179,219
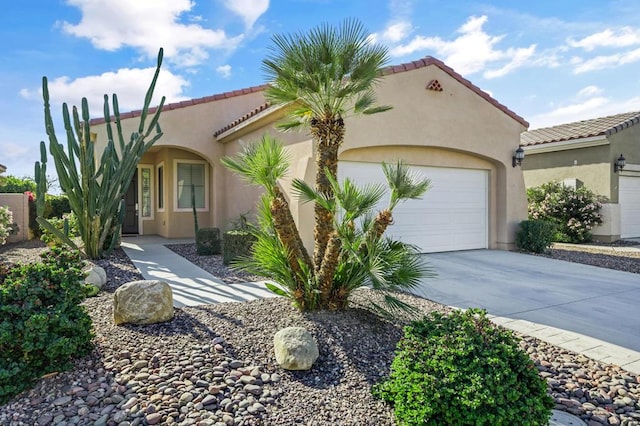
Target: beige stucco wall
x,y
19,206
590,165
188,134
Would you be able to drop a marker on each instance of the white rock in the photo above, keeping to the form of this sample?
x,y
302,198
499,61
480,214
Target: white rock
x,y
143,302
95,275
295,348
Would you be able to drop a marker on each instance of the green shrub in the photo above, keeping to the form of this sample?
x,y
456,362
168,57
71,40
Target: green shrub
x,y
70,229
42,324
208,241
56,206
460,369
575,211
535,235
236,244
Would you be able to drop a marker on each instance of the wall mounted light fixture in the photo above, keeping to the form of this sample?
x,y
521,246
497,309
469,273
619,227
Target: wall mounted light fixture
x,y
518,156
619,164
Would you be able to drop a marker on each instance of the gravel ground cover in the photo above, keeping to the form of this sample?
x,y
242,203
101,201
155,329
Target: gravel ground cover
x,y
213,365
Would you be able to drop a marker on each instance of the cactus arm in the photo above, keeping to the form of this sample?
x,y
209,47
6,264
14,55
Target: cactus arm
x,y
55,231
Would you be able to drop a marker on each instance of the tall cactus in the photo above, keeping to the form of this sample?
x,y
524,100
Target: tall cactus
x,y
96,189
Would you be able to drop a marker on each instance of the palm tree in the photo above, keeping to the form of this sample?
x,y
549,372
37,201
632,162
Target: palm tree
x,y
356,254
324,76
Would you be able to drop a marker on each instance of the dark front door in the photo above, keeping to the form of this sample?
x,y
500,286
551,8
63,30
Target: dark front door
x,y
130,224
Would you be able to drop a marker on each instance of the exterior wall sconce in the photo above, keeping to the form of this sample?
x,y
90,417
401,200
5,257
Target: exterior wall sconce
x,y
517,158
619,164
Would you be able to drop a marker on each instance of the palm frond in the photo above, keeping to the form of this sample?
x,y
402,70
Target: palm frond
x,y
325,70
307,194
261,163
403,184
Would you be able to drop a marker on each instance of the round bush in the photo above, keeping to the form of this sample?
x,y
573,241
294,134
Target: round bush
x,y
535,235
42,324
460,369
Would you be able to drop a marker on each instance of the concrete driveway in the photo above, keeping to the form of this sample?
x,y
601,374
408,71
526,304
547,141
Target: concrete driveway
x,y
597,302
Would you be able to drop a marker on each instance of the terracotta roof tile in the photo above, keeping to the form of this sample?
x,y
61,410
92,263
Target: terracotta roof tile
x,y
603,126
242,119
190,102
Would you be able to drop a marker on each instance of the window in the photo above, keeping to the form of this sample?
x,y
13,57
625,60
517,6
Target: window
x,y
145,184
190,173
161,187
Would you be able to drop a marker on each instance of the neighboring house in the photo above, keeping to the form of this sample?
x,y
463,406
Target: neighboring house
x,y
3,168
445,127
586,153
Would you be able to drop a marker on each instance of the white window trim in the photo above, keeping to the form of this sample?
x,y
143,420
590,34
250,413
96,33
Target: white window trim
x,y
175,185
151,184
157,187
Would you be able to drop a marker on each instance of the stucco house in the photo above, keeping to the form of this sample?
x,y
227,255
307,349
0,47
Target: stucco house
x,y
441,124
603,154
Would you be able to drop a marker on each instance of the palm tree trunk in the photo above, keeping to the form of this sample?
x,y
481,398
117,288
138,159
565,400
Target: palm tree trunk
x,y
328,268
289,236
381,223
328,135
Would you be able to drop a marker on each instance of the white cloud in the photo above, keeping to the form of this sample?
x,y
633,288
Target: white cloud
x,y
588,103
589,91
129,84
224,71
471,51
519,57
623,37
604,62
11,150
393,33
147,25
248,10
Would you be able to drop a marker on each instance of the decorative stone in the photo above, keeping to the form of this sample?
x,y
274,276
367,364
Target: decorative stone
x,y
95,275
143,302
295,348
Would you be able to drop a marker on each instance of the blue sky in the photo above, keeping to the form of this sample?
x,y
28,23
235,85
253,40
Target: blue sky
x,y
549,61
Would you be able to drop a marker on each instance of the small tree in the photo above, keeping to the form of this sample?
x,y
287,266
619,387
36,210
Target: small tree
x,y
95,189
574,211
357,255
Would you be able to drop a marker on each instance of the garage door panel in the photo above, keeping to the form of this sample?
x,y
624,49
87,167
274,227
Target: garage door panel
x,y
629,200
452,215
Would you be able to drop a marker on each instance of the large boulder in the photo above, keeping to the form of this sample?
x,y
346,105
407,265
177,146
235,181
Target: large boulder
x,y
295,348
95,275
143,302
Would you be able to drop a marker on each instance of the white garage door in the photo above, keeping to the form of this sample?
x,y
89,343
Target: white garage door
x,y
452,215
629,199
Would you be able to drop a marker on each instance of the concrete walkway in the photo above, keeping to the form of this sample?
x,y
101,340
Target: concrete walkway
x,y
192,286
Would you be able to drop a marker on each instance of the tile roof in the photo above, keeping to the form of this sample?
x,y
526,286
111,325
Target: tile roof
x,y
242,119
190,102
395,69
603,126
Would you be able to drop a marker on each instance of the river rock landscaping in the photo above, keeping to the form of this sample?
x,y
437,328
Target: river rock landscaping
x,y
215,365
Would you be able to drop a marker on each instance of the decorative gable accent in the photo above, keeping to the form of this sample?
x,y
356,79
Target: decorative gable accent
x,y
434,85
